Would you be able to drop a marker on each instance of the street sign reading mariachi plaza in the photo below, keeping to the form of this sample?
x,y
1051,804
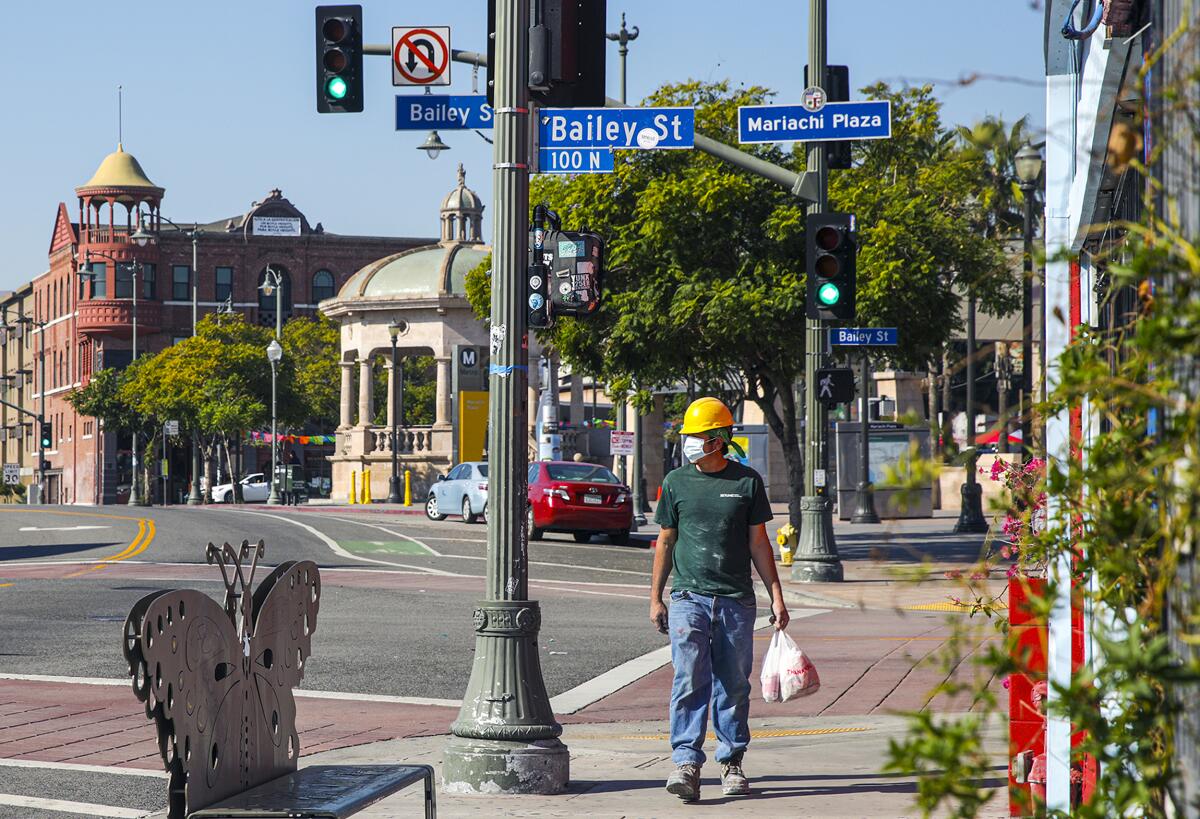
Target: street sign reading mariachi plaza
x,y
617,128
864,336
869,119
425,112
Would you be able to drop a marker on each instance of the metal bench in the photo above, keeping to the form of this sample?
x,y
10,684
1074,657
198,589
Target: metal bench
x,y
323,792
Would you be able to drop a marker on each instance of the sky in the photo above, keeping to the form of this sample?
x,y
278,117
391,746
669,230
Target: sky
x,y
219,96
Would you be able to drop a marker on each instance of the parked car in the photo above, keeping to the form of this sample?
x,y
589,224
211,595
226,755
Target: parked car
x,y
255,488
462,490
580,498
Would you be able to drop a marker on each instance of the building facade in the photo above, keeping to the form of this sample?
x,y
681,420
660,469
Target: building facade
x,y
124,280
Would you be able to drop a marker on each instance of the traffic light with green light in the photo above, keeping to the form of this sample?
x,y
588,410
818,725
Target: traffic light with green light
x,y
832,257
339,59
47,438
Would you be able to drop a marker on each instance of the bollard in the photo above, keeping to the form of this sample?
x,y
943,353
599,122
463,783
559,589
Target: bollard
x,y
366,485
408,487
786,537
353,487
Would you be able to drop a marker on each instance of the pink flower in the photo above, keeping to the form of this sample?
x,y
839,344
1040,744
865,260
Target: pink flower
x,y
1005,552
979,575
952,574
1004,682
1012,572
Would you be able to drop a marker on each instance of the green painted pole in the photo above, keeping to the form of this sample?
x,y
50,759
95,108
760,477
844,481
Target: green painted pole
x,y
505,739
816,559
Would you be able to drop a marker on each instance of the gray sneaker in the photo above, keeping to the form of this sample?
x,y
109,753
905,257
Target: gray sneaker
x,y
684,782
733,781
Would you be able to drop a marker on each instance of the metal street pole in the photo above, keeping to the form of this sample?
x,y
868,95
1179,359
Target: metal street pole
x,y
194,496
1027,325
273,497
816,559
135,495
394,495
864,504
970,513
41,413
506,738
639,516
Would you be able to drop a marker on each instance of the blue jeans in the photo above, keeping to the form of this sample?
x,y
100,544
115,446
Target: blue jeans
x,y
712,649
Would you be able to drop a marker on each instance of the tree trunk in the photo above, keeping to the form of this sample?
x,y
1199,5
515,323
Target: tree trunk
x,y
783,426
212,453
934,427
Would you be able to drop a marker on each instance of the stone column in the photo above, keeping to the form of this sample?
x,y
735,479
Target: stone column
x,y
346,415
366,404
444,402
391,393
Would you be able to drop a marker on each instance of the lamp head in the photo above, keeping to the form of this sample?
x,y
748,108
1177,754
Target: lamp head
x,y
433,145
396,328
274,352
1028,163
142,237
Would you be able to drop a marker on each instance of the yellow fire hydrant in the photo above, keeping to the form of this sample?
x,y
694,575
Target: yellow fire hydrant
x,y
787,537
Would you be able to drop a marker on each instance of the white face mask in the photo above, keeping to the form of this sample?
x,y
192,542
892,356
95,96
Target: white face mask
x,y
693,448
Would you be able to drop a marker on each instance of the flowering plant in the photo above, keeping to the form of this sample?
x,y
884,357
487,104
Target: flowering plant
x,y
1025,517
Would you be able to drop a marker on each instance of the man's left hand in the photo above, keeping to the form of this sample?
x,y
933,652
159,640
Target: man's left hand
x,y
779,609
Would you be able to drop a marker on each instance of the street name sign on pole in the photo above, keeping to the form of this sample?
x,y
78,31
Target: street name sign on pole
x,y
834,121
864,336
575,160
617,128
421,55
442,112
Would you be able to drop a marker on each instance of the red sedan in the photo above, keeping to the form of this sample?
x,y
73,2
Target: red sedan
x,y
580,498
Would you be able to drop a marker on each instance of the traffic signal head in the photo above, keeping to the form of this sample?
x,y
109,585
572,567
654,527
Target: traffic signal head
x,y
46,440
832,252
339,59
566,53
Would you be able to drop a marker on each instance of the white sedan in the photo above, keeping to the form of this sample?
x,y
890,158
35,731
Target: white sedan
x,y
255,487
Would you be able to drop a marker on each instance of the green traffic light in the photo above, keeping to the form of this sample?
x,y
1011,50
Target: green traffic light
x,y
336,88
829,294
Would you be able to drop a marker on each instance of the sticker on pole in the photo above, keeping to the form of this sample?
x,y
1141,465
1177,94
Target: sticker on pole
x,y
421,56
620,442
814,98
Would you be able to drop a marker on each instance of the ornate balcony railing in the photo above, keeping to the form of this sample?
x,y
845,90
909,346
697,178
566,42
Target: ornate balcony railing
x,y
115,316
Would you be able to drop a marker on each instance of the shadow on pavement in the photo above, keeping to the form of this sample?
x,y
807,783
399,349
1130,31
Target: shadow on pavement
x,y
51,550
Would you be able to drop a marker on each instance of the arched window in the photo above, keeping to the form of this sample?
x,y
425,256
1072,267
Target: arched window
x,y
322,286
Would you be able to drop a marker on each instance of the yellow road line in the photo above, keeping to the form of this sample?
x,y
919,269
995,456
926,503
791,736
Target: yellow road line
x,y
136,547
73,514
759,734
5,585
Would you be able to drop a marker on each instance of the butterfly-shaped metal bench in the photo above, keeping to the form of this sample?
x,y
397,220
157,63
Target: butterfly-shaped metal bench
x,y
218,684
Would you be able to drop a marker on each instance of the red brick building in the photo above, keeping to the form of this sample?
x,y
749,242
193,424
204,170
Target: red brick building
x,y
89,321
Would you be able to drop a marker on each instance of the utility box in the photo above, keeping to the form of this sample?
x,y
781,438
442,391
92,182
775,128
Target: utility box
x,y
891,446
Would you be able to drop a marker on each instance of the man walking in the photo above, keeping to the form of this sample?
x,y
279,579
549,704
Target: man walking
x,y
713,513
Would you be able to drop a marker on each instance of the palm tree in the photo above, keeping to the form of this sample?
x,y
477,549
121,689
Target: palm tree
x,y
998,144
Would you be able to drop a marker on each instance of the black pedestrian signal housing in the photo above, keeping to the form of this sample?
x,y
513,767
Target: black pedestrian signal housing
x,y
835,385
566,53
339,59
832,250
47,435
837,89
566,280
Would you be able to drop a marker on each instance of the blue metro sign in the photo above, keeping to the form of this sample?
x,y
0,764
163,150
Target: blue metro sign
x,y
864,336
427,112
617,128
869,119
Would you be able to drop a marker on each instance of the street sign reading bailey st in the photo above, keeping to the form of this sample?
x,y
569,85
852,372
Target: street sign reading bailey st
x,y
617,128
424,112
869,119
864,336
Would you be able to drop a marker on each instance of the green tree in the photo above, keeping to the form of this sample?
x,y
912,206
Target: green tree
x,y
312,345
705,263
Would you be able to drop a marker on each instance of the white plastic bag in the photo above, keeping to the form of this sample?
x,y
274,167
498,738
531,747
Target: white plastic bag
x,y
787,672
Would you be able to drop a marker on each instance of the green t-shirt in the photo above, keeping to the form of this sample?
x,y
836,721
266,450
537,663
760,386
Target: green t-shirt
x,y
713,513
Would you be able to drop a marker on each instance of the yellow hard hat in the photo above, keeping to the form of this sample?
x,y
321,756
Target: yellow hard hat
x,y
705,414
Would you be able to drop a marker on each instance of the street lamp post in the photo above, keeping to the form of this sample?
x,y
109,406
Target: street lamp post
x,y
195,498
274,353
864,506
622,38
1029,169
505,739
970,513
273,284
394,495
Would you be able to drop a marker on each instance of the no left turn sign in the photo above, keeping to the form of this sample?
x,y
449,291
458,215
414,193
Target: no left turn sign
x,y
421,55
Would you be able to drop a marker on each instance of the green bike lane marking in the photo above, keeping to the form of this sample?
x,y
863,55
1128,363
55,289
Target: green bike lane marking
x,y
390,547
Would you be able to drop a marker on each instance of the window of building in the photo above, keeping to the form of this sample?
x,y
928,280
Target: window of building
x,y
99,271
124,281
149,288
224,282
181,282
322,286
